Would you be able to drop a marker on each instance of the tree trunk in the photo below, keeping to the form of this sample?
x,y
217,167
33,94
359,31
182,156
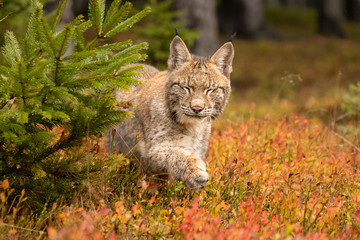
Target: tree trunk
x,y
353,10
246,17
330,17
273,2
295,3
201,15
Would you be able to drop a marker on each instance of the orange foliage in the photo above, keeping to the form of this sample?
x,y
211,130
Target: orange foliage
x,y
288,179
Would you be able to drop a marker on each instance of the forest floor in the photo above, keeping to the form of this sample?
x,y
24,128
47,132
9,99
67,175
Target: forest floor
x,y
280,165
289,178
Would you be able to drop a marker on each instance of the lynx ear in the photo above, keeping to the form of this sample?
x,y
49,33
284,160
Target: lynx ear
x,y
223,58
179,53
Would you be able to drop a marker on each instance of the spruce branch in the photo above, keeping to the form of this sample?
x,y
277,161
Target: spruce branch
x,y
114,16
113,9
129,71
21,81
11,49
116,46
131,50
11,100
62,39
3,105
59,12
96,15
37,16
62,143
48,35
79,38
8,15
27,54
57,65
128,23
67,30
116,24
94,42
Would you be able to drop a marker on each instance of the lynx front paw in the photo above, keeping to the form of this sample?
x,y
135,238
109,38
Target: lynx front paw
x,y
195,177
191,170
197,180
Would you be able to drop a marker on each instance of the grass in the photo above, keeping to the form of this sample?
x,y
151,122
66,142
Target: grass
x,y
280,179
278,167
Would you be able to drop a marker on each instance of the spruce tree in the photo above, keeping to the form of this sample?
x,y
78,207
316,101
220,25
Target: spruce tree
x,y
50,101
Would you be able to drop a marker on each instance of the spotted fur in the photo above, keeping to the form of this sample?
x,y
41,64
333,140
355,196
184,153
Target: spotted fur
x,y
174,110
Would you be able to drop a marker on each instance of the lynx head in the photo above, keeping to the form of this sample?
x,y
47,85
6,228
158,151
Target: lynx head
x,y
198,87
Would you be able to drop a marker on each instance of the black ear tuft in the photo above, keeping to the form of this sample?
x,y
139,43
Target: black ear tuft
x,y
231,38
176,32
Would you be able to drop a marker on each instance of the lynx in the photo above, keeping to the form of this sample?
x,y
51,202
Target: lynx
x,y
174,110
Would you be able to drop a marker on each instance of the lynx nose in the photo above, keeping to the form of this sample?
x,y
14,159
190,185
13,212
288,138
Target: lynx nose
x,y
197,108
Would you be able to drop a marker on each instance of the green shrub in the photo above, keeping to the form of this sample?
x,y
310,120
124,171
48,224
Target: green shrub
x,y
50,101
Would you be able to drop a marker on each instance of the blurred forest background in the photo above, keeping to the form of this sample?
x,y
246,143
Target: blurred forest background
x,y
292,56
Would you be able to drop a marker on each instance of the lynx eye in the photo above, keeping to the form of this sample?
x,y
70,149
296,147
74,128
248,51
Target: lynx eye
x,y
187,89
208,91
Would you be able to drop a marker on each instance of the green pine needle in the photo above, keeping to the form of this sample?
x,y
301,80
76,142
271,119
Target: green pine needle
x,y
59,12
116,15
11,49
128,23
96,14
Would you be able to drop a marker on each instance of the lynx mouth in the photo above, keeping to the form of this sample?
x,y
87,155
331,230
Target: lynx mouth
x,y
195,116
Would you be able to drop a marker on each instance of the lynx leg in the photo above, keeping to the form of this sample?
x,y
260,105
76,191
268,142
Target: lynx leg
x,y
192,171
180,165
